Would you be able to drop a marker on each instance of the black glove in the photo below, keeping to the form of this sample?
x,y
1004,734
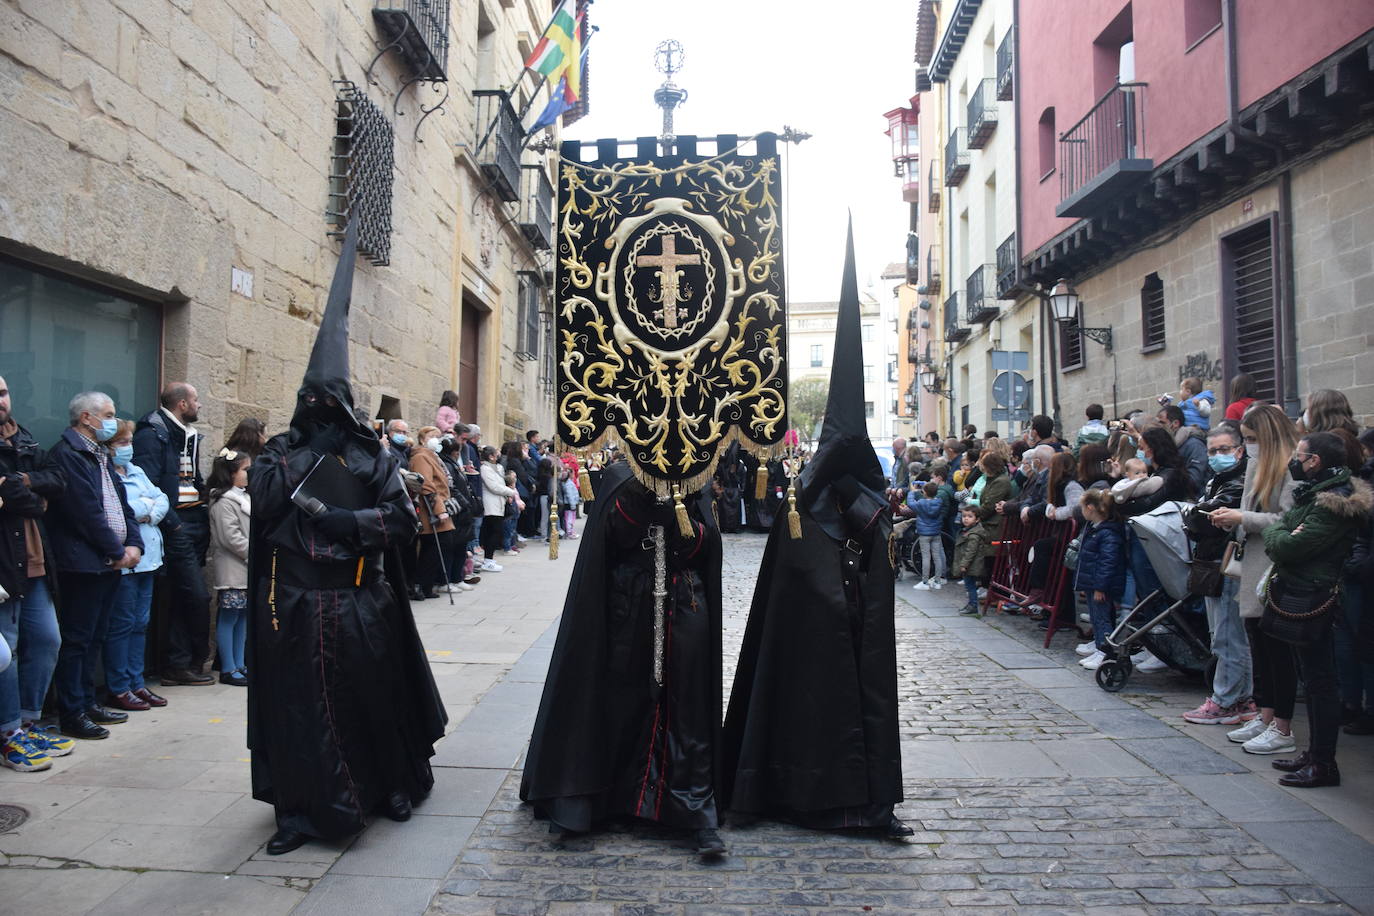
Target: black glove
x,y
337,525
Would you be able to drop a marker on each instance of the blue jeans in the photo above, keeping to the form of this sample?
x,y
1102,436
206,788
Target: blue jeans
x,y
508,531
1356,676
128,633
1233,679
1103,617
971,587
29,625
1142,573
87,599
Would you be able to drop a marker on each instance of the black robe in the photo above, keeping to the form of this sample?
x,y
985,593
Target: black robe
x,y
342,706
811,735
609,742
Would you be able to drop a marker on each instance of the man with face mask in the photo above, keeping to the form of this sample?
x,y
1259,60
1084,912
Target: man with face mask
x,y
94,535
398,441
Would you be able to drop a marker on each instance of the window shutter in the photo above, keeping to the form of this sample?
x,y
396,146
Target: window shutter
x,y
1251,315
1071,343
1152,313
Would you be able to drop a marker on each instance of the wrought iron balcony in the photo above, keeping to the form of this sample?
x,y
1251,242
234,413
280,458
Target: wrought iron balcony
x,y
500,140
1006,61
933,270
934,191
418,30
1006,268
536,208
982,301
1103,155
982,114
954,331
956,157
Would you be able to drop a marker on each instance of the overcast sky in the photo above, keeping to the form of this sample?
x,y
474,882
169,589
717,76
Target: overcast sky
x,y
754,65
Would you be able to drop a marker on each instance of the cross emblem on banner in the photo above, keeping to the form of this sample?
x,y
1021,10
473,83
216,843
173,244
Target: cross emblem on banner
x,y
669,276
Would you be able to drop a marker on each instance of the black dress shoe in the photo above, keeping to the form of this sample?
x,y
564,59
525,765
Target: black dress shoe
x,y
185,677
1312,776
1364,725
397,806
896,829
1292,764
285,840
82,727
416,594
106,716
709,844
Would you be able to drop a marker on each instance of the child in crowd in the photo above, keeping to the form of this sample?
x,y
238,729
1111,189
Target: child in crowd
x,y
512,544
930,517
1135,482
1092,432
969,551
567,502
1101,574
229,518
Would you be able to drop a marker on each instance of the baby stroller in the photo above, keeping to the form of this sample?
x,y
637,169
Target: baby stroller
x,y
1161,621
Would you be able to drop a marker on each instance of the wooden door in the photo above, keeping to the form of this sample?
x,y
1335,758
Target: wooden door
x,y
468,362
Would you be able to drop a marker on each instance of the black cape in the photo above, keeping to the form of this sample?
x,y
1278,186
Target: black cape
x,y
607,741
812,732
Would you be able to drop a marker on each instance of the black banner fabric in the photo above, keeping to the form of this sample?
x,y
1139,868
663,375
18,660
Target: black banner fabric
x,y
671,312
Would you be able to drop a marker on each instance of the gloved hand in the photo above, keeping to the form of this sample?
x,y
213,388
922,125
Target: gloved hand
x,y
337,525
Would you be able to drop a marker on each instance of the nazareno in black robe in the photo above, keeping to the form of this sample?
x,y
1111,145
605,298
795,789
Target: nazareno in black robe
x,y
812,733
342,706
608,742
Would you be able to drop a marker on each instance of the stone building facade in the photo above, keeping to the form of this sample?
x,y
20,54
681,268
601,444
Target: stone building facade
x,y
163,205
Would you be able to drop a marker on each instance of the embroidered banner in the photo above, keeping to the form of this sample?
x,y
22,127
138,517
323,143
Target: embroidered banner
x,y
671,316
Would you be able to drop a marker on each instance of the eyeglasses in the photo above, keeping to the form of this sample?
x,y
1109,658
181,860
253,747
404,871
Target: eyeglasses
x,y
1221,450
1301,457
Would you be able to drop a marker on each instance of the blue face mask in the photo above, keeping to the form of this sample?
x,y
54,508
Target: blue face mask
x,y
1221,463
1140,453
398,438
123,454
108,427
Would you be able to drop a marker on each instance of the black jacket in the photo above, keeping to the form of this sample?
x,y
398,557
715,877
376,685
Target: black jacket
x,y
81,538
1223,492
1177,486
21,455
157,452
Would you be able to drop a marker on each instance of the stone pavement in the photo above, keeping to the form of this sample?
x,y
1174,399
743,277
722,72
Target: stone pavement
x,y
1029,787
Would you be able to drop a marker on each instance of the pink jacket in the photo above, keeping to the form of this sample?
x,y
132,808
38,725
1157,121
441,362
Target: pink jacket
x,y
446,419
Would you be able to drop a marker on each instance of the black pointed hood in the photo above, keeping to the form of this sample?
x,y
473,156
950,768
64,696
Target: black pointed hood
x,y
327,374
844,467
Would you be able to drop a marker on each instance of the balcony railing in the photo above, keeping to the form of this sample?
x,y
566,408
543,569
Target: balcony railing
x,y
954,331
500,139
418,30
1006,268
982,114
1006,60
982,302
956,157
913,259
1103,154
934,190
536,208
933,270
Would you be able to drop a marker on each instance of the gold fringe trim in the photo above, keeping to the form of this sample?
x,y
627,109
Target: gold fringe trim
x,y
646,473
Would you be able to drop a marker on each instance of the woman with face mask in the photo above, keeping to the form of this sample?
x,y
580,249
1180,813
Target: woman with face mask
x,y
436,527
1270,438
125,640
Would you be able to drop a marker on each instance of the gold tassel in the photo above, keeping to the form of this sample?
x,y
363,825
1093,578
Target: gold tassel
x,y
553,529
584,484
761,482
793,519
684,524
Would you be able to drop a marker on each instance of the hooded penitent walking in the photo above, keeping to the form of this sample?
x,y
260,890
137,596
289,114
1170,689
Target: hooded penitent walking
x,y
811,735
342,709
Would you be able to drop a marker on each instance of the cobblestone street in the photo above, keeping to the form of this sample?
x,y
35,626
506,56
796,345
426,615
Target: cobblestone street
x,y
1028,786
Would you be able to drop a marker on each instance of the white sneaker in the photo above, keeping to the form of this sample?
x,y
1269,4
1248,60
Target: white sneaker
x,y
460,587
1252,729
520,539
1086,648
982,594
1270,741
1150,662
491,566
1094,661
922,586
939,583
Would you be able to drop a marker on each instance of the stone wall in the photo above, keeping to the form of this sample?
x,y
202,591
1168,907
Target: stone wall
x,y
154,144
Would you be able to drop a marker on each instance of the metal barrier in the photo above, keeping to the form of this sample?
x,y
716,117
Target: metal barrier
x,y
1011,569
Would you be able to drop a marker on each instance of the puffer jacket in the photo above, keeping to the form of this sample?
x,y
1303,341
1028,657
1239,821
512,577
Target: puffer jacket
x,y
24,505
1313,540
930,515
973,545
1192,447
1253,521
1102,559
1224,491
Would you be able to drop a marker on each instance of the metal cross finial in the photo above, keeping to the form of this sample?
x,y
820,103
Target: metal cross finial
x,y
669,57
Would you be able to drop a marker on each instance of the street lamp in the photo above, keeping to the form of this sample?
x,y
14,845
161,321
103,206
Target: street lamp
x,y
930,381
1064,303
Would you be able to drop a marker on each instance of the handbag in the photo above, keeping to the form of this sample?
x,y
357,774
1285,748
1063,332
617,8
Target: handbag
x,y
1233,558
1205,579
1298,614
1071,553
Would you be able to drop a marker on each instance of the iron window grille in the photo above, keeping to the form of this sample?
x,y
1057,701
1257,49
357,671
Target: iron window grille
x,y
933,270
1006,60
1250,307
536,208
982,113
1006,268
361,172
1152,313
498,151
933,188
956,157
418,30
547,370
982,304
527,315
954,331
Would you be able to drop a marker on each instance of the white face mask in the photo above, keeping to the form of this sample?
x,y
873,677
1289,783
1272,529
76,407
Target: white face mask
x,y
1306,420
433,444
